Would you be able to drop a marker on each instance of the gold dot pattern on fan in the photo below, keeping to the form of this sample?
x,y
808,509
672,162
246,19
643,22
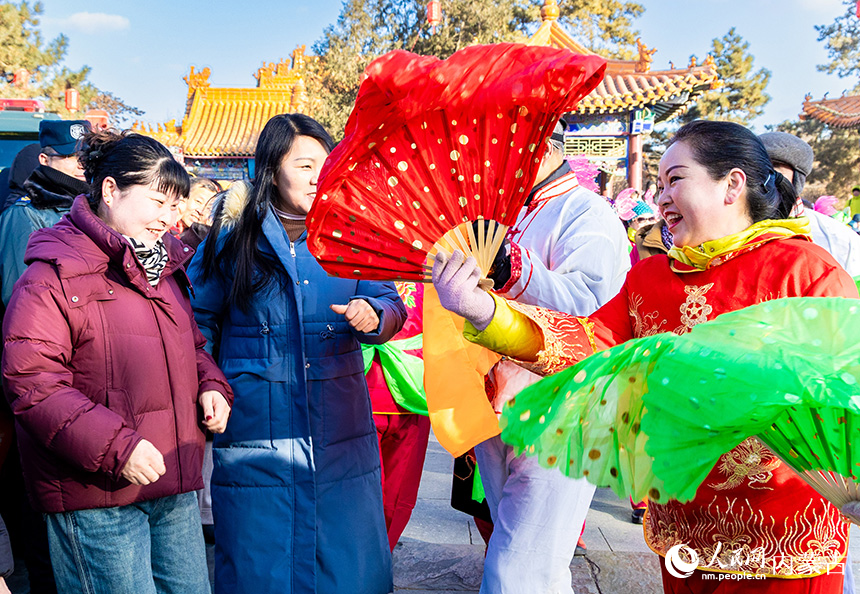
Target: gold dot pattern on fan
x,y
464,140
399,225
463,201
392,181
455,155
403,166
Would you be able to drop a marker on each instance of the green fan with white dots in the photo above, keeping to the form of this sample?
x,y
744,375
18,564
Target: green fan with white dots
x,y
652,416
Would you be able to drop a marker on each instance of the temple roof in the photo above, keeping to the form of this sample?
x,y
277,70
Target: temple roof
x,y
226,122
629,84
842,112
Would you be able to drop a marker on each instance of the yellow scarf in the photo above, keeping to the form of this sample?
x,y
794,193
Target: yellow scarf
x,y
700,257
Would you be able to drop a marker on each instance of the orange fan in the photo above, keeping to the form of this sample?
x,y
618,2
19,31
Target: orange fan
x,y
433,145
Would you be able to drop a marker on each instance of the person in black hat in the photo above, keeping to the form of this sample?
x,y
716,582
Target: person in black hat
x,y
50,191
48,194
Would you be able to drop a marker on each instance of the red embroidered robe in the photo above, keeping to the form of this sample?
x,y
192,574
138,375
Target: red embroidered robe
x,y
752,513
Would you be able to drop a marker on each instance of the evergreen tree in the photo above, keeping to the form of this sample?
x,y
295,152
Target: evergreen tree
x,y
367,29
31,68
742,97
837,151
603,26
842,40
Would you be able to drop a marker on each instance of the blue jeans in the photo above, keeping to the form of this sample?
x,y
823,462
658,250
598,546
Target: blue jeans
x,y
152,547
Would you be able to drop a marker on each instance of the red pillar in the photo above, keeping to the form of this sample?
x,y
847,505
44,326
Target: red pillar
x,y
634,162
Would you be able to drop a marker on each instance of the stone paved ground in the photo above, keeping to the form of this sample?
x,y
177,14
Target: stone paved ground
x,y
442,552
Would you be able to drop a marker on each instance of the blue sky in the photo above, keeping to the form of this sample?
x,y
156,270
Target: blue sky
x,y
141,50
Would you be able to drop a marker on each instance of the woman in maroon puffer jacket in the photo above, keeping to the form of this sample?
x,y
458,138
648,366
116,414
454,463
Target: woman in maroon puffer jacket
x,y
106,372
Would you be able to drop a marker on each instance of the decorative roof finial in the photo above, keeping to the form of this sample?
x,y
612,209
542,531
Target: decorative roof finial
x,y
549,11
646,56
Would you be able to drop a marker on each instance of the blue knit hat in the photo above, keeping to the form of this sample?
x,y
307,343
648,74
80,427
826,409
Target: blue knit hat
x,y
641,209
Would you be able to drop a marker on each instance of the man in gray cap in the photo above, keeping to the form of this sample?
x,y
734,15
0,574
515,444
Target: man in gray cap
x,y
793,158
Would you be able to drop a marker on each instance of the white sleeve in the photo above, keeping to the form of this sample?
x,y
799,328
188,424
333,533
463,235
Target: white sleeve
x,y
838,239
583,268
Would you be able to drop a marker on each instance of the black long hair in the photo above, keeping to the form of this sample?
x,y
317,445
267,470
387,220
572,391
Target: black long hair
x,y
253,271
130,159
722,146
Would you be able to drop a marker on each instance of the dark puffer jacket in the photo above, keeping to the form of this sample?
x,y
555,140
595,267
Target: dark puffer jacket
x,y
95,360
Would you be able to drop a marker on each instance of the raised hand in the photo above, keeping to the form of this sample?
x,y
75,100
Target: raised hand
x,y
455,278
359,314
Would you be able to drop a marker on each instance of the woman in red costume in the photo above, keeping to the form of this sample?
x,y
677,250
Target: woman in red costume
x,y
754,524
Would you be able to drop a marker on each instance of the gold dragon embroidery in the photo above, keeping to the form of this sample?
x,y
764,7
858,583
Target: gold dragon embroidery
x,y
750,461
644,324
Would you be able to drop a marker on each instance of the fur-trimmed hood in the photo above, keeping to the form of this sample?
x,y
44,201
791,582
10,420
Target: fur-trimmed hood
x,y
230,205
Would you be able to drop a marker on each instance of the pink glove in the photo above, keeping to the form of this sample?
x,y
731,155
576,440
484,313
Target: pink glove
x,y
456,281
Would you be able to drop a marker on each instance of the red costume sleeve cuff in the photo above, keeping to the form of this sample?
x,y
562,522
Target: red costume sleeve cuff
x,y
516,268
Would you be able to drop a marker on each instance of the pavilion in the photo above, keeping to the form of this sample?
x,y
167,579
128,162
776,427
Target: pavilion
x,y
219,131
610,123
842,112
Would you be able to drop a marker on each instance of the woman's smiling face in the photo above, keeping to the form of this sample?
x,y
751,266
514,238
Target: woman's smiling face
x,y
693,204
140,212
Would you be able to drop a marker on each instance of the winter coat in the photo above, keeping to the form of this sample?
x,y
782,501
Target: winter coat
x,y
7,562
97,359
26,161
296,489
649,240
50,194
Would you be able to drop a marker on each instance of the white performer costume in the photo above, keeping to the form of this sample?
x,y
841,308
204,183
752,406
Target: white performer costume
x,y
837,238
569,252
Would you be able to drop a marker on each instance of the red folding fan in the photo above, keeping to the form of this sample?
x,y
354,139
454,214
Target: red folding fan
x,y
433,145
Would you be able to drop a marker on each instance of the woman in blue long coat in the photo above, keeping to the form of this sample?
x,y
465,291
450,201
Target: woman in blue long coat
x,y
296,488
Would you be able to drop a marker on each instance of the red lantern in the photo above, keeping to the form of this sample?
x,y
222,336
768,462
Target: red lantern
x,y
72,99
98,119
434,14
